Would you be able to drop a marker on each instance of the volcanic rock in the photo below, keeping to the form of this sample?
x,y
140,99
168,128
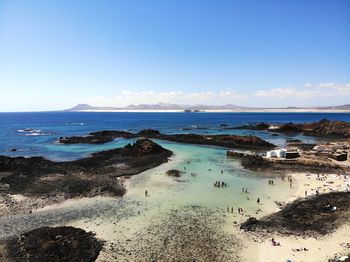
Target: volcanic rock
x,y
319,214
54,244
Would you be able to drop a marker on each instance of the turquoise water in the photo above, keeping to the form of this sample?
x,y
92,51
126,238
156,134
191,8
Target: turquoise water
x,y
52,125
207,162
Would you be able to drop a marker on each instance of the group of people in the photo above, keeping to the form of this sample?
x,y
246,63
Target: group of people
x,y
244,190
220,184
240,210
275,243
270,182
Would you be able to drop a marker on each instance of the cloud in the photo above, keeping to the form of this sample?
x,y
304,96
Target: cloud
x,y
308,91
127,97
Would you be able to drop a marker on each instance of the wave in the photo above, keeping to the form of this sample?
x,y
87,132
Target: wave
x,y
75,123
28,130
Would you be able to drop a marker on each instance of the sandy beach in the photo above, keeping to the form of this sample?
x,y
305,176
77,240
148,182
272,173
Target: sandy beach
x,y
318,249
253,247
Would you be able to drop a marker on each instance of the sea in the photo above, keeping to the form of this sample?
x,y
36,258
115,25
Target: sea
x,y
191,197
36,133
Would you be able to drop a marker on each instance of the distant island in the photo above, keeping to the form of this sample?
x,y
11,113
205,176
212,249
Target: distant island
x,y
168,107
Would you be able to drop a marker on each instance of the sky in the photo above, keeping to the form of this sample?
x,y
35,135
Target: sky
x,y
265,53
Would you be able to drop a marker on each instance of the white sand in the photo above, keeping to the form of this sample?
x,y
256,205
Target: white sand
x,y
320,249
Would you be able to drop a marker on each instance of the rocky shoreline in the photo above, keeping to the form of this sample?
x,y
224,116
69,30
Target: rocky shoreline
x,y
87,177
323,128
315,215
259,163
229,141
52,244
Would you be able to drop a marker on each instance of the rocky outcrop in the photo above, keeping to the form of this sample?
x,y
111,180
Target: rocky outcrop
x,y
323,128
99,137
174,173
94,175
259,163
327,128
320,214
258,126
230,141
54,244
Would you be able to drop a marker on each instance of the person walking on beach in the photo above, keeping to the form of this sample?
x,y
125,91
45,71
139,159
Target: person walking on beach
x,y
258,201
146,193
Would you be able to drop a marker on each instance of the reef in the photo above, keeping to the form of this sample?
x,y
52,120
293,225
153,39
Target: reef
x,y
90,176
224,140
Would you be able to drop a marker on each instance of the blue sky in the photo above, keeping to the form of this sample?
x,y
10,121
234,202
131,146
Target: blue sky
x,y
55,54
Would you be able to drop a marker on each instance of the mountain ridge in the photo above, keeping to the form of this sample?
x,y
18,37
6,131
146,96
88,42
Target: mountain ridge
x,y
197,107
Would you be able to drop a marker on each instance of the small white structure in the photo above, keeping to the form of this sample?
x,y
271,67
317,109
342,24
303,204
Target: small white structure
x,y
277,153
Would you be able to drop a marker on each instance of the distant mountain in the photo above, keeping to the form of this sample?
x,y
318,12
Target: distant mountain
x,y
201,107
342,107
85,107
159,106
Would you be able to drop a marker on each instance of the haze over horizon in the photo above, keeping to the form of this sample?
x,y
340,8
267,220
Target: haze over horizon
x,y
57,54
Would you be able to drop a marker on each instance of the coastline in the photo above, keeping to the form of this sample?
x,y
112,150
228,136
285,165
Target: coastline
x,y
192,209
319,249
265,110
254,247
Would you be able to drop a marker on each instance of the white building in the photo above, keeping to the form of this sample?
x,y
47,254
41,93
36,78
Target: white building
x,y
277,153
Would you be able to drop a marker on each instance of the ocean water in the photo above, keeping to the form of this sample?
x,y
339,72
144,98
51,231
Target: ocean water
x,y
135,216
49,126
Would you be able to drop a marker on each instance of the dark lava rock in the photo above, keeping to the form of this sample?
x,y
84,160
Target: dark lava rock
x,y
294,141
94,175
258,163
289,128
249,224
54,244
327,128
99,137
230,141
149,133
258,126
174,173
308,216
323,128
